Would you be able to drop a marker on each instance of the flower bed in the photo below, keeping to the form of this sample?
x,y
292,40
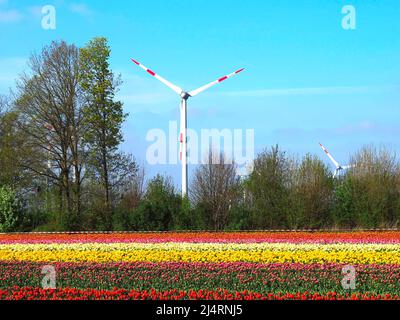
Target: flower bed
x,y
259,265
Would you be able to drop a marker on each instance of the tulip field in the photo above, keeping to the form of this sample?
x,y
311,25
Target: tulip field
x,y
201,265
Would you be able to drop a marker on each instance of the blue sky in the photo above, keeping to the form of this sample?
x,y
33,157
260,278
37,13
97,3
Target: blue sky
x,y
306,79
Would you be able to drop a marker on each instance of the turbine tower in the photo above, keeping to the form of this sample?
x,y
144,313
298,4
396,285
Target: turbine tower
x,y
183,115
338,167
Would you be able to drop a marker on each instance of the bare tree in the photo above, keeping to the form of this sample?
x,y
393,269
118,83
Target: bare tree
x,y
133,190
374,192
311,193
3,104
215,187
50,113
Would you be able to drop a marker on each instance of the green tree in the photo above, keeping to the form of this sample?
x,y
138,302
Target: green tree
x,y
12,151
240,218
159,207
373,182
311,194
397,192
103,116
188,217
269,189
10,210
344,214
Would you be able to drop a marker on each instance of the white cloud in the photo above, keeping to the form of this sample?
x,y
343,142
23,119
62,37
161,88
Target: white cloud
x,y
14,15
348,130
10,16
311,91
368,126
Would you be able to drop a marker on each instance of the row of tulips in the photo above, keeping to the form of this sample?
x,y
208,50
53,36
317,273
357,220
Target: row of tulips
x,y
204,252
259,278
205,237
27,293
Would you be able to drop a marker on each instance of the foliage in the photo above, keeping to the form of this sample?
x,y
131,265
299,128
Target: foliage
x,y
102,118
374,191
311,194
240,218
11,213
343,209
160,205
269,187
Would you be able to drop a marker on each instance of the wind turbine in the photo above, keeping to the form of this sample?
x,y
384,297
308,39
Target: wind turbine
x,y
338,167
183,114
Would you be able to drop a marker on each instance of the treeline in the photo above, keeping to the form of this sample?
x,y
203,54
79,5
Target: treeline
x,y
287,192
60,132
61,168
284,191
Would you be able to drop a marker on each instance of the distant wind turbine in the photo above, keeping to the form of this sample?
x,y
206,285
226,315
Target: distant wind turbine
x,y
183,114
338,167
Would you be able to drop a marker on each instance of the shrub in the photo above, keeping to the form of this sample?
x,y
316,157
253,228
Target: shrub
x,y
10,210
159,207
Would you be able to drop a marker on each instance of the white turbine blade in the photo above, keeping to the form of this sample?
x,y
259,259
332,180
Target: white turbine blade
x,y
348,167
209,85
337,165
335,173
177,89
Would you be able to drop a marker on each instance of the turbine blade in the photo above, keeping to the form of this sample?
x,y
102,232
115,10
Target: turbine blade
x,y
348,167
337,165
170,85
209,85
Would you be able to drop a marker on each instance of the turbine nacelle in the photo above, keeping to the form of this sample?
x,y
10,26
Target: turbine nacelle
x,y
184,95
